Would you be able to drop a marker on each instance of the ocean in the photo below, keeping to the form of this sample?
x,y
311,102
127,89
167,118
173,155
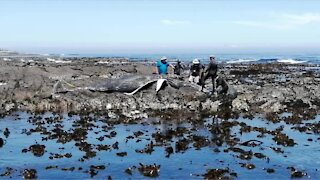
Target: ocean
x,y
222,58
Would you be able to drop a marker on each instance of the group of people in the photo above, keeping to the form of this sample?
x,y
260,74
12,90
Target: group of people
x,y
198,72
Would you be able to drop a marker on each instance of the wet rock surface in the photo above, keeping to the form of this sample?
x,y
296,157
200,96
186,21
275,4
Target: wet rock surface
x,y
261,88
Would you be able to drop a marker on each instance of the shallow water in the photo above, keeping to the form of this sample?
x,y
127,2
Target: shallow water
x,y
208,144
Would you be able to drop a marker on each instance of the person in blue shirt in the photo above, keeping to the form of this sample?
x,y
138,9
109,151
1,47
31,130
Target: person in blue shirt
x,y
162,66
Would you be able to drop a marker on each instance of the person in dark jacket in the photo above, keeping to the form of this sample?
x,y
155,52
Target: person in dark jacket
x,y
178,67
210,72
221,85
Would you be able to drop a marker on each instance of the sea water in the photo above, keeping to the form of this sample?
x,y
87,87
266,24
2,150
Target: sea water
x,y
224,58
191,163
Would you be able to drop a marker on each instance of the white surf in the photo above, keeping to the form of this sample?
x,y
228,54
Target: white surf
x,y
290,61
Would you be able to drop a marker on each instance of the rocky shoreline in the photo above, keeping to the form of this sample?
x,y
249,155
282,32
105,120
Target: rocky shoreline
x,y
261,89
115,135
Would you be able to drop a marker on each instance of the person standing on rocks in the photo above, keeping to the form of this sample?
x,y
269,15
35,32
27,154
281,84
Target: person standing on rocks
x,y
195,71
178,67
210,72
162,66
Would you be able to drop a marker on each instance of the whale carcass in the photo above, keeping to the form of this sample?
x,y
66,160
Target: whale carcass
x,y
132,84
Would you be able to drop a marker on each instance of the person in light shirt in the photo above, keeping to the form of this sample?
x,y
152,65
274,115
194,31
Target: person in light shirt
x,y
195,71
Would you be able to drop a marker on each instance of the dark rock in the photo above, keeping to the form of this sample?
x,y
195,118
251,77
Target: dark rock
x,y
149,170
8,172
270,170
98,167
169,151
218,174
29,174
248,165
1,142
121,154
6,132
68,169
297,174
128,171
259,155
37,149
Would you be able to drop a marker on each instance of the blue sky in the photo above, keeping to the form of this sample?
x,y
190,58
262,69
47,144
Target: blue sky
x,y
159,26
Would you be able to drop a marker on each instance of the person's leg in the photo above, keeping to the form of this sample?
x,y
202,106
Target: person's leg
x,y
193,79
190,79
196,79
203,81
201,78
213,83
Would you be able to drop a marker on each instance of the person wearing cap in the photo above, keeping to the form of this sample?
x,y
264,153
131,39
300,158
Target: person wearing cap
x,y
162,66
177,68
210,72
195,71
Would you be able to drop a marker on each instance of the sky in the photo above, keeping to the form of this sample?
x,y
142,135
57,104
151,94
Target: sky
x,y
154,26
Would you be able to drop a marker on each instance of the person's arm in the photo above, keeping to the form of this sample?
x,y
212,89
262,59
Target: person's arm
x,y
207,69
202,69
170,65
157,66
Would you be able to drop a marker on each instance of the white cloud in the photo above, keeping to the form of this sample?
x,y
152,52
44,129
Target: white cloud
x,y
284,21
174,22
304,18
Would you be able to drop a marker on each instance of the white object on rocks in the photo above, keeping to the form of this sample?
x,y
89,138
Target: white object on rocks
x,y
108,106
212,106
240,104
159,84
112,115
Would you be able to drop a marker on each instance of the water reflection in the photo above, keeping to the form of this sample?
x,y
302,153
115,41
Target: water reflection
x,y
73,146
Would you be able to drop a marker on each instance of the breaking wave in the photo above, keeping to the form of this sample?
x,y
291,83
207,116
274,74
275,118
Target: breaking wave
x,y
291,61
241,61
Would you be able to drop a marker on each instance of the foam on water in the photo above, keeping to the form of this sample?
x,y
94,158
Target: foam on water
x,y
7,59
290,61
57,61
103,62
28,60
187,57
241,61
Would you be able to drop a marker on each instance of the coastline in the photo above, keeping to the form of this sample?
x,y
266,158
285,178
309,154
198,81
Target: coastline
x,y
261,88
263,130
